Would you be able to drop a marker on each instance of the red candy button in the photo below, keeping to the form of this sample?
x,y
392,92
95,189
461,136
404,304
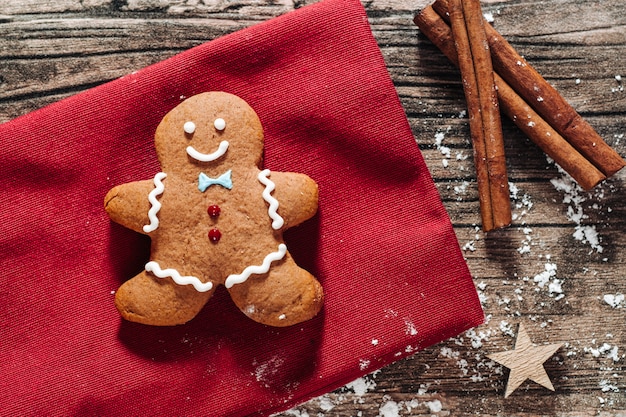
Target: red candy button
x,y
214,235
214,210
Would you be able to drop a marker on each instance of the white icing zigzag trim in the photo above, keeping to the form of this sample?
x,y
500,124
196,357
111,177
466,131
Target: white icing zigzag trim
x,y
257,269
200,286
277,220
208,157
156,205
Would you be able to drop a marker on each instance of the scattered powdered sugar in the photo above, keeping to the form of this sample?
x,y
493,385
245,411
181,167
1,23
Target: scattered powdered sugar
x,y
434,406
411,330
477,337
472,364
265,371
574,197
607,386
447,352
521,204
527,242
362,385
389,409
445,150
461,190
620,86
482,297
469,246
588,234
392,408
353,393
297,413
606,350
614,300
326,404
547,279
506,328
610,371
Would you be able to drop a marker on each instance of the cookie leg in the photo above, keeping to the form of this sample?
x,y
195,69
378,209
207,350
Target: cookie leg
x,y
286,295
159,302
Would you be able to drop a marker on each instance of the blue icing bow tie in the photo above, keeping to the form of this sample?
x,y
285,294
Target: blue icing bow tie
x,y
223,180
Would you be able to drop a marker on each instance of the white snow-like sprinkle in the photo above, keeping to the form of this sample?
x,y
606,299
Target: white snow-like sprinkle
x,y
389,409
434,406
614,300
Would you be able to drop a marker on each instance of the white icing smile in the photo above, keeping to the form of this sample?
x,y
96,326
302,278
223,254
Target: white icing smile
x,y
208,157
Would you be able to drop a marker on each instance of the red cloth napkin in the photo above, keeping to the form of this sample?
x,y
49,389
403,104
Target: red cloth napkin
x,y
382,244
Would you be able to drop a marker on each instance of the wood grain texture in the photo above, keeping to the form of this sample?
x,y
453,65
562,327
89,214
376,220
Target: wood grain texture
x,y
559,269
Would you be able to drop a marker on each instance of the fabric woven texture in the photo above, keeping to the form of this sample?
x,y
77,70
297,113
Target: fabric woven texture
x,y
382,244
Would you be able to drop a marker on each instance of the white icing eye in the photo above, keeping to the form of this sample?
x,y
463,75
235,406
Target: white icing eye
x,y
189,127
219,123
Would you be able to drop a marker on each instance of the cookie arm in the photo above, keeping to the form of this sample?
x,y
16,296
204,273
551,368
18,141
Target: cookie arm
x,y
297,196
128,204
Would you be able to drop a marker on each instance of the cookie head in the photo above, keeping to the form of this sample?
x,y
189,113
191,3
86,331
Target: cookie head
x,y
209,129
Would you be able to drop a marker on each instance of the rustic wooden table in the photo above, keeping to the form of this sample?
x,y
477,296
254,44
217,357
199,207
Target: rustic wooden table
x,y
560,269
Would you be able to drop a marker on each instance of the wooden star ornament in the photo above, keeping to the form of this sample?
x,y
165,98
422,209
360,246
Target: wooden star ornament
x,y
525,362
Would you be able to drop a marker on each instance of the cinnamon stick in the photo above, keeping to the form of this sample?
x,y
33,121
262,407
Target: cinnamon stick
x,y
546,100
525,118
484,115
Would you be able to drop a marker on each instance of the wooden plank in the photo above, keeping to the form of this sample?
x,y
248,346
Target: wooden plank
x,y
51,49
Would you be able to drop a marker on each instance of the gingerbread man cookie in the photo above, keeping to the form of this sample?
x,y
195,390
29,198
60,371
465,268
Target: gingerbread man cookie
x,y
215,218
